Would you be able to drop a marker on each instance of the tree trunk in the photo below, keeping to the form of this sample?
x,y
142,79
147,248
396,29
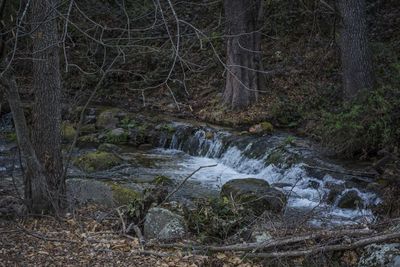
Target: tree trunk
x,y
244,78
357,67
46,126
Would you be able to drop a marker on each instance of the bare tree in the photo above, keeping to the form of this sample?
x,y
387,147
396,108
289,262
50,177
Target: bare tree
x,y
357,66
244,79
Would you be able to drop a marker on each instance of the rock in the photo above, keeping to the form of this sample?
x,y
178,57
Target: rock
x,y
259,234
261,128
108,119
123,195
97,161
350,200
117,136
334,191
256,194
88,129
164,225
105,147
68,131
89,140
380,255
81,191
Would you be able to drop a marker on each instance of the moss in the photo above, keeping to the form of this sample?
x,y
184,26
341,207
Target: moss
x,y
168,128
267,127
114,137
123,195
11,137
68,131
209,135
89,139
88,129
276,158
162,180
97,161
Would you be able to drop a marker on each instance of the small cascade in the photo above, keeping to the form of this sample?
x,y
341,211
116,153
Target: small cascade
x,y
280,163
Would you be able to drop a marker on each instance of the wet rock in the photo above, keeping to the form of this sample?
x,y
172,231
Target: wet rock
x,y
81,191
164,225
256,194
145,146
117,136
108,119
68,131
97,161
350,200
261,128
334,191
380,255
105,147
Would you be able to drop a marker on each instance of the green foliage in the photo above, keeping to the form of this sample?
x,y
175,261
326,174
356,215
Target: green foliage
x,y
216,218
117,139
128,123
364,126
162,180
12,137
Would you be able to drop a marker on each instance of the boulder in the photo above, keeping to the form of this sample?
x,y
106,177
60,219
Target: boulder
x,y
81,191
380,255
350,200
97,161
256,194
164,225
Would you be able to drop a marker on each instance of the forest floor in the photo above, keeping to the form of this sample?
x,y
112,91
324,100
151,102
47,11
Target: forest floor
x,y
81,240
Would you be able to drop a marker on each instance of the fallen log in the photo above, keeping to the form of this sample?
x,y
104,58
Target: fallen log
x,y
328,248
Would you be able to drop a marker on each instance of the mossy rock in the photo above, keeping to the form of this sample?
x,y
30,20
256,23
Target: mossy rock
x,y
108,119
68,131
350,200
117,136
255,194
88,140
262,128
123,195
162,180
97,161
88,129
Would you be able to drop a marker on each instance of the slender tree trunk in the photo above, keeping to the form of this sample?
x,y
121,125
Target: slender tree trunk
x,y
357,67
244,78
46,126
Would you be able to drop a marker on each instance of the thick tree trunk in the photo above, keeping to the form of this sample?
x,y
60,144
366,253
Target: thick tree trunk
x,y
46,127
357,67
244,78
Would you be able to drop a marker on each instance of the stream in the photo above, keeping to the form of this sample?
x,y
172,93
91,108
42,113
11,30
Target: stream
x,y
315,186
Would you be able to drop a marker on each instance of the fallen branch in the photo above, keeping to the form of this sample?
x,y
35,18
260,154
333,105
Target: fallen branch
x,y
329,248
357,174
275,243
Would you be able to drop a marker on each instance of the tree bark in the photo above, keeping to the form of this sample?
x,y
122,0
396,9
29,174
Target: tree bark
x,y
46,126
356,57
244,78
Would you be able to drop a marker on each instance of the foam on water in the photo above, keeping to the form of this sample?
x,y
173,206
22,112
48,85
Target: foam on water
x,y
303,191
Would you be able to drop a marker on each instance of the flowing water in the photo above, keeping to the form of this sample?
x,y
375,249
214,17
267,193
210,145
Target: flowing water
x,y
313,184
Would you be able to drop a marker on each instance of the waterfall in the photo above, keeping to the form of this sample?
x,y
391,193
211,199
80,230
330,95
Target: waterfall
x,y
272,159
